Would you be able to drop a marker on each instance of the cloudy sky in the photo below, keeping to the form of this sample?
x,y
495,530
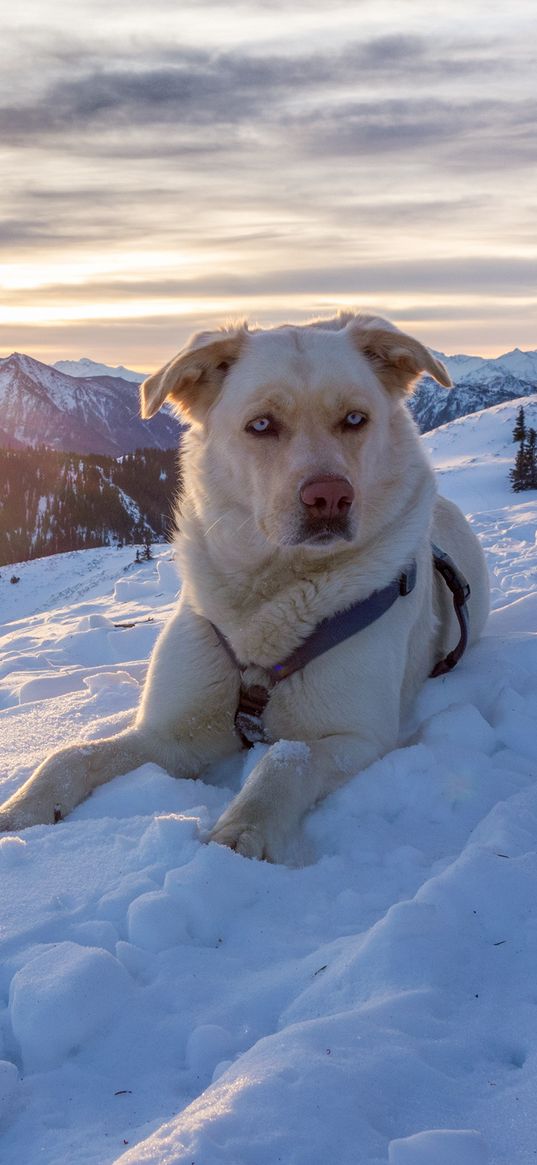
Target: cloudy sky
x,y
168,165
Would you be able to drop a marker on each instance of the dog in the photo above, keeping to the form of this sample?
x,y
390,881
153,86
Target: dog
x,y
306,491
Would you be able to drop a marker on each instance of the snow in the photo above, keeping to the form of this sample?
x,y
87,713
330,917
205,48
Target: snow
x,y
60,998
439,1147
371,1002
473,455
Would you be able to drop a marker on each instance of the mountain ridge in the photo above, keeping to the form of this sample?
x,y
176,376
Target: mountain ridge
x,y
85,367
478,383
97,411
40,405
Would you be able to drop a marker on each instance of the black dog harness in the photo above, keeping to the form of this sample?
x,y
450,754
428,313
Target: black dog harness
x,y
335,629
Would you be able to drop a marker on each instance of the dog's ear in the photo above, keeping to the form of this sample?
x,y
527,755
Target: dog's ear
x,y
398,359
193,379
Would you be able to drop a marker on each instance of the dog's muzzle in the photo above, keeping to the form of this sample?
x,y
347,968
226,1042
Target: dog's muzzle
x,y
316,532
326,503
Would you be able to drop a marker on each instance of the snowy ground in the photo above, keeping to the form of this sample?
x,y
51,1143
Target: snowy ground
x,y
163,1000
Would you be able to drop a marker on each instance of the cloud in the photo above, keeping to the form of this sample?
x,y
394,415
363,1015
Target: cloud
x,y
163,83
443,277
394,96
483,135
343,154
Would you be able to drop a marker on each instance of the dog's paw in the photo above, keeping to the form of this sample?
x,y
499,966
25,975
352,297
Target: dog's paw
x,y
49,794
243,837
20,813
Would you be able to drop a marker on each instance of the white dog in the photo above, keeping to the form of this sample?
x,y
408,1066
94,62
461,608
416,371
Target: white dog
x,y
307,490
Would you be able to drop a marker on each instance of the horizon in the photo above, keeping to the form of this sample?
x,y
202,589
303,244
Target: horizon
x,y
166,170
149,371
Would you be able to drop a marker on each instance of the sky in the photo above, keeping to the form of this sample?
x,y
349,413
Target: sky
x,y
167,166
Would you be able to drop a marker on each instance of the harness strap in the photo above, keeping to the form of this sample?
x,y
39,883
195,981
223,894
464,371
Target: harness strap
x,y
335,629
460,589
329,632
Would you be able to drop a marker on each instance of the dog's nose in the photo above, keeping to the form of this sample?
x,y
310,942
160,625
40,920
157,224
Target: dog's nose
x,y
326,497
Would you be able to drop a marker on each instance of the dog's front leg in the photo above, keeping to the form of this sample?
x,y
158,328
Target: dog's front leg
x,y
185,723
287,782
69,776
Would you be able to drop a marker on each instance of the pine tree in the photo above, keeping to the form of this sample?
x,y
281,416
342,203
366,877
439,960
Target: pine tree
x,y
147,545
519,431
518,473
524,474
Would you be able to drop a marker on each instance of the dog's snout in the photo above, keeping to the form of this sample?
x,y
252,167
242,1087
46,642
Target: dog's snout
x,y
327,497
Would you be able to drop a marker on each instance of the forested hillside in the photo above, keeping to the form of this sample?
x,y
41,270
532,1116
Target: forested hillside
x,y
51,502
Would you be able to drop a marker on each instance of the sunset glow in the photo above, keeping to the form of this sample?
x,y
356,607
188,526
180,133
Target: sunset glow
x,y
165,168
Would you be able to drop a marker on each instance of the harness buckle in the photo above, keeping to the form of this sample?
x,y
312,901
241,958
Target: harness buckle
x,y
407,579
250,728
249,714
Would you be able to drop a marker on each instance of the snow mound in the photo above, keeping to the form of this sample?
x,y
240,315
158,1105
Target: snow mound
x,y
60,999
440,1147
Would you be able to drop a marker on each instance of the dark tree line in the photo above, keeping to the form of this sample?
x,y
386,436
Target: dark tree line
x,y
51,502
524,474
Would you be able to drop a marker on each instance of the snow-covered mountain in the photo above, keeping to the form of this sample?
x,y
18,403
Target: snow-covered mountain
x,y
86,367
478,384
480,369
431,405
372,1002
96,414
89,407
523,365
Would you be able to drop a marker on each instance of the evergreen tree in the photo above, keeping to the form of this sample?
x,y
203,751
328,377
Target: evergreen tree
x,y
518,473
524,474
519,431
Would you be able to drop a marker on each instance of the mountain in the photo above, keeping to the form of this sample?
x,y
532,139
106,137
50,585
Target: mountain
x,y
431,406
92,408
478,384
479,369
86,367
53,502
40,405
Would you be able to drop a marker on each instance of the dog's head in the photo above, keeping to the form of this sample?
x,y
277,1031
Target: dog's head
x,y
300,430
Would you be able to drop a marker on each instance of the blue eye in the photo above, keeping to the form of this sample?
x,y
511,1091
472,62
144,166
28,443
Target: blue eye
x,y
262,426
354,420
